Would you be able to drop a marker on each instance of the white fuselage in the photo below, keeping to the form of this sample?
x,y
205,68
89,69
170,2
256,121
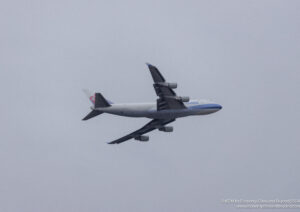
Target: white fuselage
x,y
149,110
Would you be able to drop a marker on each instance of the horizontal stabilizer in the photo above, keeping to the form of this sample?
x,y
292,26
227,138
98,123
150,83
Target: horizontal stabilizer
x,y
92,114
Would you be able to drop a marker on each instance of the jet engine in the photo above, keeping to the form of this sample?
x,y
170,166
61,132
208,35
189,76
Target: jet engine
x,y
143,138
184,98
171,85
179,98
166,129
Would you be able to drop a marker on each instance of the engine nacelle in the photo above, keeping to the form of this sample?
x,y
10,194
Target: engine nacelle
x,y
166,129
184,98
143,138
171,85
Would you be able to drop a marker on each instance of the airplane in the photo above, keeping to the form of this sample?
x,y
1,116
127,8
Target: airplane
x,y
167,108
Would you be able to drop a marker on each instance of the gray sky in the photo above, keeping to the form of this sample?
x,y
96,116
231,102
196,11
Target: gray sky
x,y
243,55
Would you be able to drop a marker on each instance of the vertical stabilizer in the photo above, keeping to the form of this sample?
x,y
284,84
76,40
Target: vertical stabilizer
x,y
100,101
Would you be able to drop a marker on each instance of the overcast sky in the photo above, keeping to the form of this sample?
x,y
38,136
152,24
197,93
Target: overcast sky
x,y
243,55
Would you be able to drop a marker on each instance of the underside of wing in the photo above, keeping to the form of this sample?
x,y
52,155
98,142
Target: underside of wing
x,y
167,98
152,125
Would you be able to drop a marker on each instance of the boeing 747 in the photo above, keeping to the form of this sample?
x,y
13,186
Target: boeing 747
x,y
167,108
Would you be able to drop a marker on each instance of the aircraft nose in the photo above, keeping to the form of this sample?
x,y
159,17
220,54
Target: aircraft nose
x,y
219,107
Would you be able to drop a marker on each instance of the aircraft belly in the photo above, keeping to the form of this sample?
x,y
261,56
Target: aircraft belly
x,y
129,111
173,114
134,113
205,111
168,114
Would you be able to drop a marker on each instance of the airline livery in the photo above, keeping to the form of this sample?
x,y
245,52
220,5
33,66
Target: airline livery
x,y
167,108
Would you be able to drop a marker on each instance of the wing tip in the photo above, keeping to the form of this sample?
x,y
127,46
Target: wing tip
x,y
149,65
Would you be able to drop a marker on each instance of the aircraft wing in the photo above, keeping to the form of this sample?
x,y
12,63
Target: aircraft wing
x,y
167,98
152,125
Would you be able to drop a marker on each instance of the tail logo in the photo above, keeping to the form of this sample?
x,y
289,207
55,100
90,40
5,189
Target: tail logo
x,y
92,98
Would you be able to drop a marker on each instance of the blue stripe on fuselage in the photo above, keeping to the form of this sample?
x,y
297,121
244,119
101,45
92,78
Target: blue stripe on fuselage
x,y
206,106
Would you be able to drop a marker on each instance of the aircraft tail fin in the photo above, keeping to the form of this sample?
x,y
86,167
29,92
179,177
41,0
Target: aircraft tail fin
x,y
92,98
89,95
98,101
